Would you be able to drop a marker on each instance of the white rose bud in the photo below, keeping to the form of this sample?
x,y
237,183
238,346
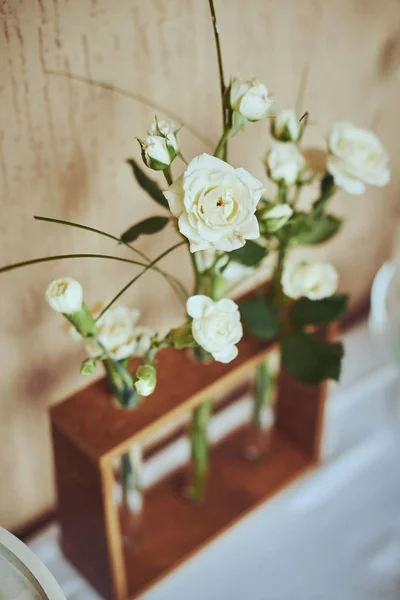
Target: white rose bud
x,y
156,153
274,218
356,157
216,326
249,98
314,281
285,163
160,147
166,129
65,295
235,271
215,204
285,127
145,380
118,332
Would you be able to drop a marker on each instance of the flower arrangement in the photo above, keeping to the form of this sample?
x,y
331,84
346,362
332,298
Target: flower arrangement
x,y
229,226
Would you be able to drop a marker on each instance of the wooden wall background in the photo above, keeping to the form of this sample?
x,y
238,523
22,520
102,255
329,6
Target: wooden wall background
x,y
63,145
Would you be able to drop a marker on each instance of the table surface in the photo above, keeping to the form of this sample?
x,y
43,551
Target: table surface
x,y
333,535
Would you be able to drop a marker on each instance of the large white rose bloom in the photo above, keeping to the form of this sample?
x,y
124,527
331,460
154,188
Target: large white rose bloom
x,y
286,126
285,162
216,326
120,334
310,280
249,98
65,295
215,204
356,157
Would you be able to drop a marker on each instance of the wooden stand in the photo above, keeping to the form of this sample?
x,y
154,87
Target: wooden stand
x,y
89,431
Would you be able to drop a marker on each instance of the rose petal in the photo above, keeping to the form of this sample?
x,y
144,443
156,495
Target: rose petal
x,y
196,305
174,196
226,355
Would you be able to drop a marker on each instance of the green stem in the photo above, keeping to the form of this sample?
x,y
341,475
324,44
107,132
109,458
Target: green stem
x,y
262,387
168,175
197,274
200,449
132,281
126,400
296,195
134,96
221,74
223,141
281,193
173,281
127,474
276,288
35,261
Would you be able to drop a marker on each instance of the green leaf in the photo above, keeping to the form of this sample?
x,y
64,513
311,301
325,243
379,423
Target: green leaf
x,y
147,184
310,359
319,312
251,254
145,227
260,318
238,122
88,366
309,229
327,186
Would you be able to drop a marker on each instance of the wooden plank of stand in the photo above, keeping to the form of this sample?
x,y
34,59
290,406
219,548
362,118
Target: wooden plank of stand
x,y
85,537
99,428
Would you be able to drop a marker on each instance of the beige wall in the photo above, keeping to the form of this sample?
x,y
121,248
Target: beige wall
x,y
63,144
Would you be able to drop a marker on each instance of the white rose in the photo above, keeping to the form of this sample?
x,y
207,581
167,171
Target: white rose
x,y
356,157
249,98
215,204
65,295
314,281
119,333
145,380
286,126
216,326
285,162
276,217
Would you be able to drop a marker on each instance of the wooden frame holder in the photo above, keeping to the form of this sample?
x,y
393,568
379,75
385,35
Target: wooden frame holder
x,y
90,431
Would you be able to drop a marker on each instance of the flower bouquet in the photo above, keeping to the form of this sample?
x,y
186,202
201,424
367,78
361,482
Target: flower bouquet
x,y
232,228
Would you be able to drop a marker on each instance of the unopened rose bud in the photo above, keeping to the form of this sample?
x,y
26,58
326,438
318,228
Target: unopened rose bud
x,y
272,219
285,127
249,98
145,380
285,163
65,295
160,146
